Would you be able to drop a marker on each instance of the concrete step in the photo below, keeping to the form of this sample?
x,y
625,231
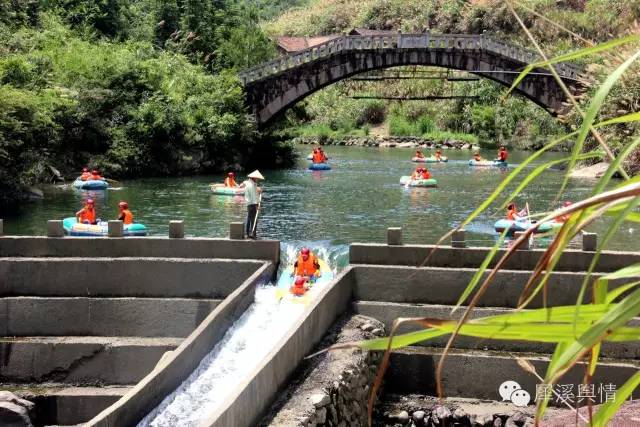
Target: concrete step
x,y
446,256
120,277
147,317
434,285
59,404
81,360
479,374
388,312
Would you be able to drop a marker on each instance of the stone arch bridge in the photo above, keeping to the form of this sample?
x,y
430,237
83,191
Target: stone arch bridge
x,y
274,86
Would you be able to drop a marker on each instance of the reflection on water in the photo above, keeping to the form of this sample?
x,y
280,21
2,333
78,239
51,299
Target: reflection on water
x,y
355,201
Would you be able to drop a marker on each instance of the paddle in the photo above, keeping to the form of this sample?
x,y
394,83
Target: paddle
x,y
255,220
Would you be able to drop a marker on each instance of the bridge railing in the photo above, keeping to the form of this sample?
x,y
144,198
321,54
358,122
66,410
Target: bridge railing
x,y
400,41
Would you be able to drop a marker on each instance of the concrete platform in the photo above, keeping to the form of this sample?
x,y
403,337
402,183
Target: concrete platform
x,y
143,317
479,374
59,404
436,285
120,277
388,312
446,256
81,360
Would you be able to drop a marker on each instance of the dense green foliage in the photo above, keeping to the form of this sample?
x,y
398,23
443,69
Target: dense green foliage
x,y
514,121
135,87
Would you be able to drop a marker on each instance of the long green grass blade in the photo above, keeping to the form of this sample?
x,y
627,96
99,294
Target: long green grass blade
x,y
615,318
609,409
600,291
631,117
590,115
624,273
505,182
614,294
615,165
573,56
540,169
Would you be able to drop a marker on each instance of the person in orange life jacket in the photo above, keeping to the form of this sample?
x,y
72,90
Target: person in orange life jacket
x,y
85,174
125,214
95,175
502,154
512,212
306,265
299,287
230,180
564,218
324,156
425,174
438,155
419,154
477,157
87,215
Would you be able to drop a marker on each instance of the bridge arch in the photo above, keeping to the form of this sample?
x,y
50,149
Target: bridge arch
x,y
274,86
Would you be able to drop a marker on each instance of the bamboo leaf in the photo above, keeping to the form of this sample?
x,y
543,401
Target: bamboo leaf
x,y
608,410
631,117
614,294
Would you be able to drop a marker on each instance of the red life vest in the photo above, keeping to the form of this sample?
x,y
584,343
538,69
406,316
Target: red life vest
x,y
87,215
502,155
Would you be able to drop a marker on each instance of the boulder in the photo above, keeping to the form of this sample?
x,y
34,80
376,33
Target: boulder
x,y
590,172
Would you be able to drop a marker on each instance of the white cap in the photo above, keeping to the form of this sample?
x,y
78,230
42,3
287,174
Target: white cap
x,y
255,174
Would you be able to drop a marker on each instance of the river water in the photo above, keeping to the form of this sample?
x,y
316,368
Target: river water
x,y
354,202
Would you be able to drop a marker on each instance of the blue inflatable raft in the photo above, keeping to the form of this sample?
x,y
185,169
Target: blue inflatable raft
x,y
407,181
91,184
513,226
73,228
319,167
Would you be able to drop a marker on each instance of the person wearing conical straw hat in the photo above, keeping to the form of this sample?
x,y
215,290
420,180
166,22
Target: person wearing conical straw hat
x,y
252,197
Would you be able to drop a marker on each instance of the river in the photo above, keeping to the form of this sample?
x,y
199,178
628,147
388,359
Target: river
x,y
354,202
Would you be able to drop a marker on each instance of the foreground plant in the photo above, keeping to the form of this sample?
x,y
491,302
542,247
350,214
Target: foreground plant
x,y
577,330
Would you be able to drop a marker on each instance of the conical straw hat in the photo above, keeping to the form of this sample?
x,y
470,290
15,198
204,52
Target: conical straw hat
x,y
256,174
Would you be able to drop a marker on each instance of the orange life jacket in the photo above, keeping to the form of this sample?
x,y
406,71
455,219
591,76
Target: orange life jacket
x,y
96,177
419,155
502,155
126,216
416,175
426,175
511,214
87,215
318,157
229,182
85,176
298,289
477,157
306,268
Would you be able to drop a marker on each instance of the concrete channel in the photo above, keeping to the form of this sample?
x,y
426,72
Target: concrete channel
x,y
176,326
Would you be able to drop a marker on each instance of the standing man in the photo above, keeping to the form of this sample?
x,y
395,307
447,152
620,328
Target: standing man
x,y
252,199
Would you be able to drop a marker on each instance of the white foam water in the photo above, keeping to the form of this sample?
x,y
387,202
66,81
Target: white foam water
x,y
242,348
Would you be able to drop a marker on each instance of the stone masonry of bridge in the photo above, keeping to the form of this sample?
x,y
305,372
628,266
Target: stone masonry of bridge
x,y
274,86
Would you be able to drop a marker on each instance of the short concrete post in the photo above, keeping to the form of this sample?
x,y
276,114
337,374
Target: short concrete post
x,y
394,236
176,229
525,244
236,230
589,241
115,228
55,228
458,239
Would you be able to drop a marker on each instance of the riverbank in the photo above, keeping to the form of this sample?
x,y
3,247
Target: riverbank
x,y
383,142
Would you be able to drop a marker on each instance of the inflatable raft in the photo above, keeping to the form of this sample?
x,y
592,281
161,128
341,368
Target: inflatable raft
x,y
285,281
490,163
319,167
91,184
418,182
513,226
220,189
73,228
429,159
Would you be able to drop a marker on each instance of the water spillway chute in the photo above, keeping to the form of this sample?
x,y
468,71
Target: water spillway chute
x,y
243,348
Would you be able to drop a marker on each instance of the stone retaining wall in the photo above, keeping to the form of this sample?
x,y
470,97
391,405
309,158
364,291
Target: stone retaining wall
x,y
332,389
383,142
